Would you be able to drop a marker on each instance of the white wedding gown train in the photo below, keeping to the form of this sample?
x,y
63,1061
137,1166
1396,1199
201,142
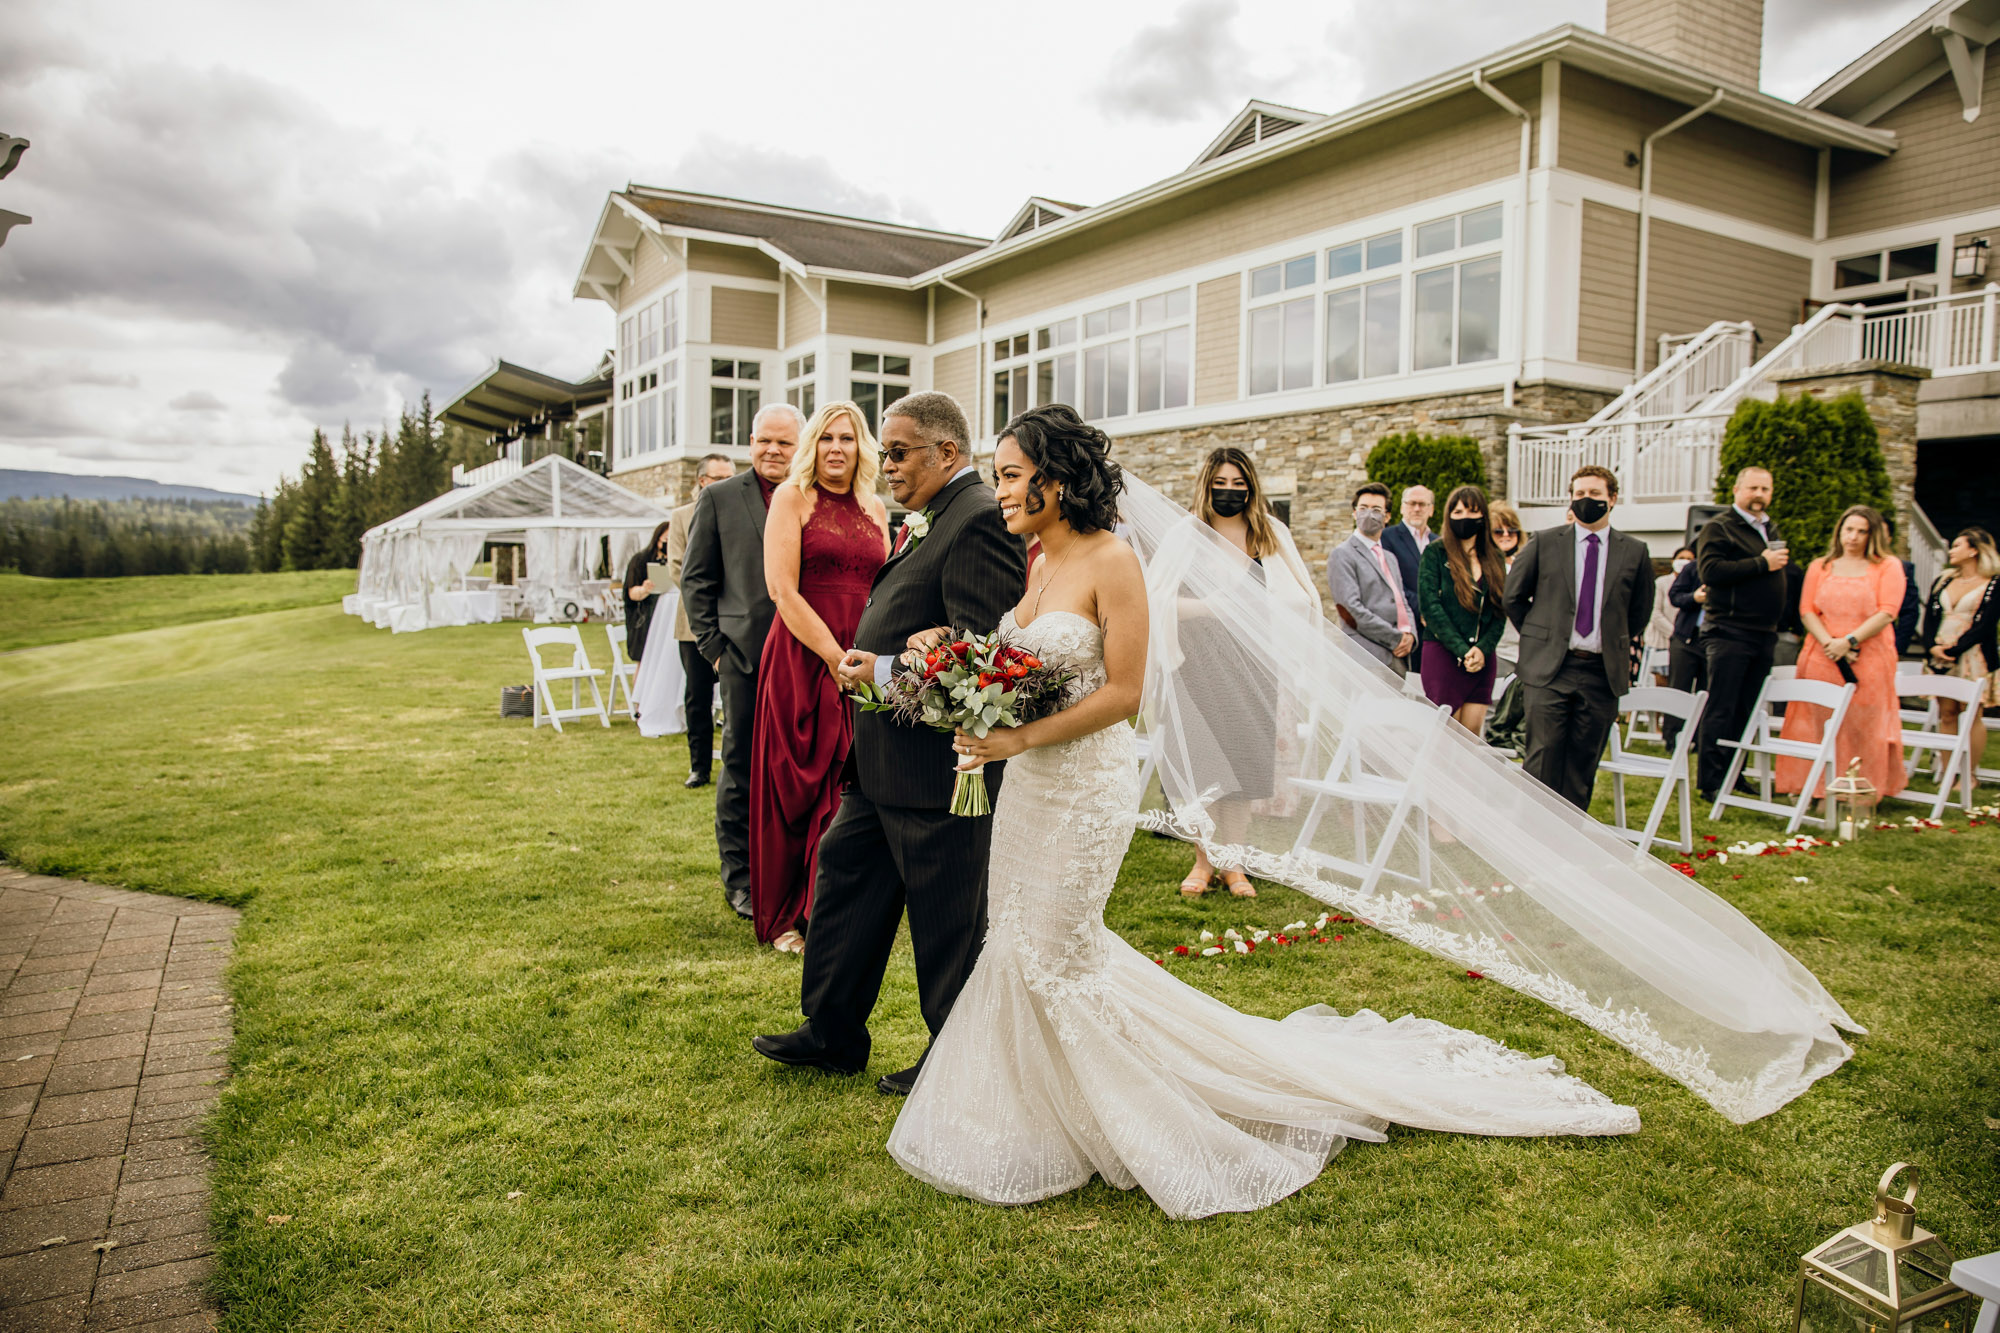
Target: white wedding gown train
x,y
1070,1054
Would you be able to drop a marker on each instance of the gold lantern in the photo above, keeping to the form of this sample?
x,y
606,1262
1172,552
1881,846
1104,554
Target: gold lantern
x,y
1885,1275
1850,804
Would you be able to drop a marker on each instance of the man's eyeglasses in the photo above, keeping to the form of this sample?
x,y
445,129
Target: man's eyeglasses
x,y
897,455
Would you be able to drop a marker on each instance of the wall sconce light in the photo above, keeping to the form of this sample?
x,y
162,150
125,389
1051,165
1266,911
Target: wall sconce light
x,y
1969,260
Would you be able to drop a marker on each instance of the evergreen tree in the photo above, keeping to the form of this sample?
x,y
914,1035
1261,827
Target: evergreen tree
x,y
1440,462
309,528
1822,457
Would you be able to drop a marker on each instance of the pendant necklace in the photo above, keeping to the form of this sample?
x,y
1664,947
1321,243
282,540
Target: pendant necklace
x,y
1043,590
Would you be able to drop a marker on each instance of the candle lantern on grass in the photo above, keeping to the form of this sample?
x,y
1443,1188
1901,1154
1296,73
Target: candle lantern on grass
x,y
1885,1275
1851,802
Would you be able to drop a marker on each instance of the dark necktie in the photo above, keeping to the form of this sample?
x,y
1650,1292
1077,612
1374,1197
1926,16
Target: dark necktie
x,y
1586,600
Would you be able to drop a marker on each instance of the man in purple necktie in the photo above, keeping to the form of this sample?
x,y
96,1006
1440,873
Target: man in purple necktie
x,y
1579,595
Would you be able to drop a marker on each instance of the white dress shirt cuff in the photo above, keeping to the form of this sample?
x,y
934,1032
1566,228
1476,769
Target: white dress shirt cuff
x,y
883,666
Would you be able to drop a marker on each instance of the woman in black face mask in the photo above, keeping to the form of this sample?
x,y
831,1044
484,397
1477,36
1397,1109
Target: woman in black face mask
x,y
1460,583
1230,499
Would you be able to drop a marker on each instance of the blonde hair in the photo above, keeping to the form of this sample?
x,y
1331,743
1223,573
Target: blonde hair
x,y
1500,514
1878,546
805,462
1987,565
1263,524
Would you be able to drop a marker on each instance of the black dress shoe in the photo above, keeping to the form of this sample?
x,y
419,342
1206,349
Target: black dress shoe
x,y
798,1049
899,1083
698,778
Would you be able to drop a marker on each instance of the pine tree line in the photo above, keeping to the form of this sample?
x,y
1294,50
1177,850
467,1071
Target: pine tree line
x,y
315,520
73,539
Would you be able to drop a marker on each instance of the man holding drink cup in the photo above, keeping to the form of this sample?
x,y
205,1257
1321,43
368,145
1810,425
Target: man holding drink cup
x,y
1741,561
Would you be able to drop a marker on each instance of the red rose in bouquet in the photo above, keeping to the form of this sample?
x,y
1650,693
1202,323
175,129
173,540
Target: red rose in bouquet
x,y
970,682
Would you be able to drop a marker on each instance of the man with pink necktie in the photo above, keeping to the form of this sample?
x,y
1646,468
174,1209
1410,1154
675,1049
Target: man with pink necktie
x,y
1367,586
1579,595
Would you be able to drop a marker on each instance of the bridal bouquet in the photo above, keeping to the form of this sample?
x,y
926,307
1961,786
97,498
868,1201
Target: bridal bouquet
x,y
974,682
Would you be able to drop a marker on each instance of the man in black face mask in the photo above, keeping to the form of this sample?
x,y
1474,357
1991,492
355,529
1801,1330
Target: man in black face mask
x,y
1579,596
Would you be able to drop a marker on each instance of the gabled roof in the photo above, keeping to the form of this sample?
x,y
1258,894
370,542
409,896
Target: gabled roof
x,y
822,244
1255,123
1037,212
508,397
1947,38
1580,47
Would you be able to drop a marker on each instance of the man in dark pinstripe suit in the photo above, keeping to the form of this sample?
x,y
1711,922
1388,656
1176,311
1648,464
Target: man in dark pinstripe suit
x,y
895,845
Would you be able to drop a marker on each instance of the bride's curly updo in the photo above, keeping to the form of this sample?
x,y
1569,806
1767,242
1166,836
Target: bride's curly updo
x,y
1077,457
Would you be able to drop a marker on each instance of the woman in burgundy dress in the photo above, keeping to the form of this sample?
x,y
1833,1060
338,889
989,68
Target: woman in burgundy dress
x,y
825,537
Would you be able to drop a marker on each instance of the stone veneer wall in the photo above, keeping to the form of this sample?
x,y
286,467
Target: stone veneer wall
x,y
671,483
1889,391
1320,457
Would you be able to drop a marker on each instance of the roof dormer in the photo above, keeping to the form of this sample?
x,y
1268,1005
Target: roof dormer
x,y
1254,124
1037,212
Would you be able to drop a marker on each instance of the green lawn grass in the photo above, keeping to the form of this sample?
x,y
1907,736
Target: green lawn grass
x,y
479,960
40,611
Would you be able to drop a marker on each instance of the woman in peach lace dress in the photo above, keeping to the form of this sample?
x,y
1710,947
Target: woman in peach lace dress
x,y
1851,597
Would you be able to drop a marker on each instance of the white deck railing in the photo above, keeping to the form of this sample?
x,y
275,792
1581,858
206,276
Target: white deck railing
x,y
485,472
1663,436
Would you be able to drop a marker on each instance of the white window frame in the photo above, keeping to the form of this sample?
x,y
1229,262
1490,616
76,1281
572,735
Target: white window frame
x,y
881,379
737,385
802,382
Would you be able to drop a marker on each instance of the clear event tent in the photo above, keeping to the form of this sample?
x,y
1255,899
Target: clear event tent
x,y
414,567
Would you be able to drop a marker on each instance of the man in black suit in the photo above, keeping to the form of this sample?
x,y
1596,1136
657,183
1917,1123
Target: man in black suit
x,y
1407,540
895,841
1685,668
729,610
1579,595
1747,598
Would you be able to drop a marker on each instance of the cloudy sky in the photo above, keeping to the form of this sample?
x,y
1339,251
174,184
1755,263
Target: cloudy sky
x,y
251,219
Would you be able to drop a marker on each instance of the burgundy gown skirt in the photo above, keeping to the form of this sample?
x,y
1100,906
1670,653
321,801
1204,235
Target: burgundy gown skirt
x,y
803,726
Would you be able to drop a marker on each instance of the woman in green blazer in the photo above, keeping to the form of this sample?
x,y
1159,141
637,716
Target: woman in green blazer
x,y
1459,590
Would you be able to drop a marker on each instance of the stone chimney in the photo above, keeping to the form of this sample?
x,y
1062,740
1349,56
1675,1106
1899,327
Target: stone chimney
x,y
1722,37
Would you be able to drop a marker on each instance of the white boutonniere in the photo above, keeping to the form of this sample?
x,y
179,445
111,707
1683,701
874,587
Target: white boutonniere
x,y
919,525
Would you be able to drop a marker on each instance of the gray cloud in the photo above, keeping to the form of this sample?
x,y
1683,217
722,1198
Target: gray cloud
x,y
1186,68
197,400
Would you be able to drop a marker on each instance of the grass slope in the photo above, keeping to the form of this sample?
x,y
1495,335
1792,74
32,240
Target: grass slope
x,y
40,611
478,960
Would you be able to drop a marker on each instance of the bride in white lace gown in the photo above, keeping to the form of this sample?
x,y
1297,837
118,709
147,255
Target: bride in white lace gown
x,y
1069,1053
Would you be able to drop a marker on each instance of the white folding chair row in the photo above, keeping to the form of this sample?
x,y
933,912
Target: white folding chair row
x,y
1953,751
1641,725
1348,782
1759,764
1671,772
1761,738
578,673
624,672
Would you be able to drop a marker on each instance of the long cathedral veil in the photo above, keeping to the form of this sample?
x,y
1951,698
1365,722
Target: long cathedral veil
x,y
1383,809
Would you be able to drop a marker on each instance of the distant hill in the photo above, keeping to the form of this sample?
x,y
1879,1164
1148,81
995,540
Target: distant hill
x,y
16,484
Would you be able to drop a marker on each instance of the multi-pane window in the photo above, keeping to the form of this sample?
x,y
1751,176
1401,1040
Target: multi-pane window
x,y
801,390
1914,261
1107,363
648,415
1055,363
1281,329
878,379
650,332
1165,351
734,395
1456,307
1010,378
1377,316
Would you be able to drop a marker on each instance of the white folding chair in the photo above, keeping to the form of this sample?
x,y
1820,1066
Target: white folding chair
x,y
1643,726
1349,783
624,672
1924,719
1760,764
1672,772
577,673
1761,738
1954,751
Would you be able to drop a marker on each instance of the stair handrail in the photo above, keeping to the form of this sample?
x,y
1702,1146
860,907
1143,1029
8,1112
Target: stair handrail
x,y
1702,344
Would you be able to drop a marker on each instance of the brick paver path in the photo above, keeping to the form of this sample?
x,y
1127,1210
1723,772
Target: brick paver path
x,y
114,1032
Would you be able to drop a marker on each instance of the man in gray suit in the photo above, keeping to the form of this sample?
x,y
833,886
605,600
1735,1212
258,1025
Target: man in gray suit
x,y
730,610
1367,585
1579,595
